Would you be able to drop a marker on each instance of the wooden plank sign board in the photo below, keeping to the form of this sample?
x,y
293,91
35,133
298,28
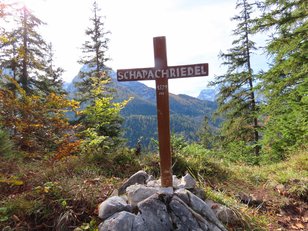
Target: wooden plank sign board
x,y
161,73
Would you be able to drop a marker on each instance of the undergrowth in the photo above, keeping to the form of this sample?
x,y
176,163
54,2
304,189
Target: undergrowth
x,y
44,194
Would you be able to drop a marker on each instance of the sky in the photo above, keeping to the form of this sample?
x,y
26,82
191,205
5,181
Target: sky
x,y
196,31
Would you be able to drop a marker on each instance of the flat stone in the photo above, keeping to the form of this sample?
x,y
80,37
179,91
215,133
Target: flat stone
x,y
111,206
137,193
122,221
139,177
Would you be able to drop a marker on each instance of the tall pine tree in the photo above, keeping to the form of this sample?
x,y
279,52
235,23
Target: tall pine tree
x,y
286,82
236,98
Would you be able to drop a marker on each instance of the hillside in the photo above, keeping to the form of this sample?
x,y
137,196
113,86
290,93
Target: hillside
x,y
186,113
39,194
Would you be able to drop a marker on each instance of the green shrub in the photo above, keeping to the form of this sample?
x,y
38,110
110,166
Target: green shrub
x,y
199,162
6,145
239,152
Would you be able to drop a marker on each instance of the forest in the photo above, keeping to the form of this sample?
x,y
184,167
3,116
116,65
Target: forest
x,y
56,170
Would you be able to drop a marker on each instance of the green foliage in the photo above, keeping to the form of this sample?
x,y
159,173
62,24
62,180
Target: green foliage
x,y
102,123
94,59
236,98
285,84
6,145
100,119
24,51
178,143
51,81
238,152
207,134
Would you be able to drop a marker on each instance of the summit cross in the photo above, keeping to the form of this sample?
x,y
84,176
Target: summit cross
x,y
161,73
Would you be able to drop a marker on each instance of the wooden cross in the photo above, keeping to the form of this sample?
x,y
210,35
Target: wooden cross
x,y
161,73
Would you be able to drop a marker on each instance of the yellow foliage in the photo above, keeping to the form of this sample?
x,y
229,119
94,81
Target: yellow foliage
x,y
35,123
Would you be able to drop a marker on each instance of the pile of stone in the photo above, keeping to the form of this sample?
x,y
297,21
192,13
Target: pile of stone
x,y
141,204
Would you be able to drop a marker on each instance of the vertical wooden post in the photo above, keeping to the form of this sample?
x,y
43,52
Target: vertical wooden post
x,y
163,116
161,73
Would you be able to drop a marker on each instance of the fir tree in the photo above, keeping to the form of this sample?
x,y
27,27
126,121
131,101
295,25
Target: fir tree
x,y
236,98
24,50
100,120
286,82
51,81
206,134
94,57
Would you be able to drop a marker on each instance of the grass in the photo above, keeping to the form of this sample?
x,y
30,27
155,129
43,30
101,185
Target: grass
x,y
37,193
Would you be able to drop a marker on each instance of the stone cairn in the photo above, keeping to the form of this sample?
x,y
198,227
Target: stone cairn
x,y
140,204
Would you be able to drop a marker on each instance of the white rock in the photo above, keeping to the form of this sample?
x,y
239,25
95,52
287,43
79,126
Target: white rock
x,y
111,206
137,193
187,182
175,181
139,177
154,183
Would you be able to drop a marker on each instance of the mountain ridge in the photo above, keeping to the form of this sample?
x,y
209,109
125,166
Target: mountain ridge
x,y
140,115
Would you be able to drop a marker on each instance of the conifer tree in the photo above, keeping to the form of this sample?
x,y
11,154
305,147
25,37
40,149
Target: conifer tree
x,y
206,134
94,57
24,50
51,80
286,82
236,97
100,119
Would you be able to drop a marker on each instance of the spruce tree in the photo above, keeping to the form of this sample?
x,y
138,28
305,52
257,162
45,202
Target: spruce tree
x,y
24,50
286,82
100,119
236,97
94,58
51,80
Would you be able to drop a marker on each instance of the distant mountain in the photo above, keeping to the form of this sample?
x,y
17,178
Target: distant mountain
x,y
208,94
186,112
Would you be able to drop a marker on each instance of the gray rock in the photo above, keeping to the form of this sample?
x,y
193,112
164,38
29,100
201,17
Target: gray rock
x,y
139,224
153,211
111,206
182,193
151,177
137,193
122,221
224,214
175,181
184,218
200,207
154,183
166,191
199,193
187,182
139,177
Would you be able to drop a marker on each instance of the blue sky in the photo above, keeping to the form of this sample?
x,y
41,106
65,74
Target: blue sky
x,y
196,31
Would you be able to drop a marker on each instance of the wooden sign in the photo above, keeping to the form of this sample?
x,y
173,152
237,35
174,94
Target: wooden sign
x,y
171,72
161,73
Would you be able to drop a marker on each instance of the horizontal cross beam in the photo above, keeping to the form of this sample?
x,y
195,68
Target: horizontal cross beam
x,y
171,72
